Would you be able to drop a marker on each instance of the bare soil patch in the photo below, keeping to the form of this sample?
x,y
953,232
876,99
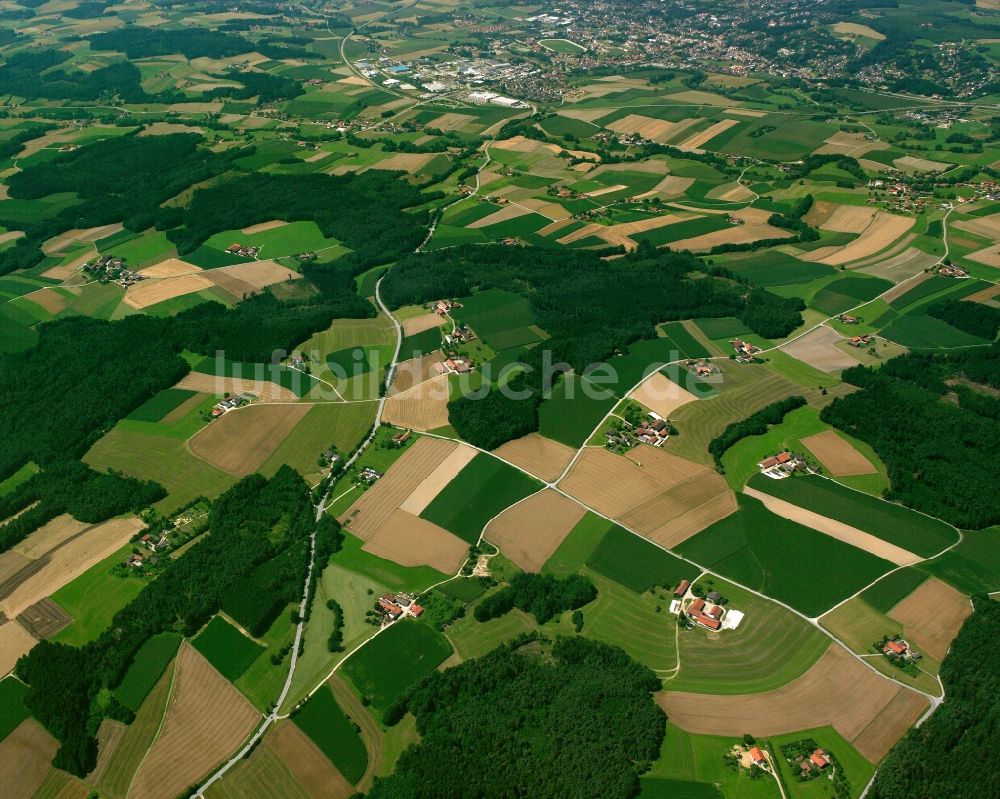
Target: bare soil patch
x,y
258,274
988,255
51,535
883,230
240,441
213,384
668,188
91,234
44,619
530,531
737,234
418,324
818,348
900,289
703,137
405,162
414,372
835,529
151,292
837,454
553,211
849,219
443,473
424,407
14,642
206,720
985,226
537,455
906,264
684,510
408,540
933,615
172,267
260,227
69,561
12,566
308,764
452,121
25,758
375,506
621,233
661,395
837,690
606,190
854,29
745,112
49,299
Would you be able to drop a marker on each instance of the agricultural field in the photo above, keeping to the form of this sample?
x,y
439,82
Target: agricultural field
x,y
226,648
326,724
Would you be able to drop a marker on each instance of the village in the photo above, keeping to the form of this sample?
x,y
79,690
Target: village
x,y
112,269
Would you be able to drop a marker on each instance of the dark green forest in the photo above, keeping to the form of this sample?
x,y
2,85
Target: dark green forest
x,y
574,719
937,452
756,424
591,309
950,754
252,564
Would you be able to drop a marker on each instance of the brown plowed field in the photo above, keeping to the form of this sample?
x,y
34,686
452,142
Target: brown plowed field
x,y
737,234
837,690
151,292
408,540
540,456
414,372
932,615
444,473
418,324
686,509
377,504
240,441
51,535
256,273
837,454
44,619
25,758
818,348
207,720
530,531
661,395
172,267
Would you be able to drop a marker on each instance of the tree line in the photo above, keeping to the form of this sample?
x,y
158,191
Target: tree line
x,y
543,596
756,424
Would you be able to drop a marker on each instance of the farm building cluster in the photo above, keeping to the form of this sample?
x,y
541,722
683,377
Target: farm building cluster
x,y
231,403
950,270
243,251
782,465
899,649
111,269
708,611
745,351
394,606
459,364
460,334
861,341
442,307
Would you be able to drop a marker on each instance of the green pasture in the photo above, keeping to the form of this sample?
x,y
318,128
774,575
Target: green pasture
x,y
226,648
146,669
333,731
637,564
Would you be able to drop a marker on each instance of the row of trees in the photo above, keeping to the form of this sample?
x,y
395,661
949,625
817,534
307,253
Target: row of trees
x,y
756,424
256,523
575,719
937,453
543,596
973,318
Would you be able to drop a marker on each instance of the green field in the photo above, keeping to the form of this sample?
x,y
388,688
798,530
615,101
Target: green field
x,y
856,768
687,346
415,647
974,565
723,327
915,532
226,648
326,724
479,492
777,269
563,46
577,547
920,331
771,647
637,564
158,406
848,292
147,667
12,709
22,475
893,588
698,759
93,598
569,415
654,788
796,565
740,461
502,319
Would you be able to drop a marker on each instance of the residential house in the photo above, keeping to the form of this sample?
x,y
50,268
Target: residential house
x,y
860,341
819,759
682,588
757,756
782,465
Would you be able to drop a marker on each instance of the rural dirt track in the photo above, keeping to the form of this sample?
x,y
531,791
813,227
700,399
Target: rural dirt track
x,y
837,454
240,441
207,718
530,531
866,709
932,614
408,540
831,527
537,455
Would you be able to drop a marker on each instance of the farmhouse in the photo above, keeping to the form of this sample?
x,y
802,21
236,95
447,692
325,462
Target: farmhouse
x,y
653,432
706,614
457,365
392,610
745,352
400,439
819,759
757,756
369,475
899,649
847,319
441,307
244,252
860,341
682,588
782,465
460,335
950,270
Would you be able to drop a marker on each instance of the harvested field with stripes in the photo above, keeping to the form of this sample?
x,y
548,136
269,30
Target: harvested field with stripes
x,y
14,642
703,137
207,719
444,473
837,454
240,441
883,229
408,540
737,234
661,395
44,619
50,535
25,758
665,498
818,348
218,385
172,267
151,292
413,372
423,407
537,455
868,710
418,324
933,615
530,531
